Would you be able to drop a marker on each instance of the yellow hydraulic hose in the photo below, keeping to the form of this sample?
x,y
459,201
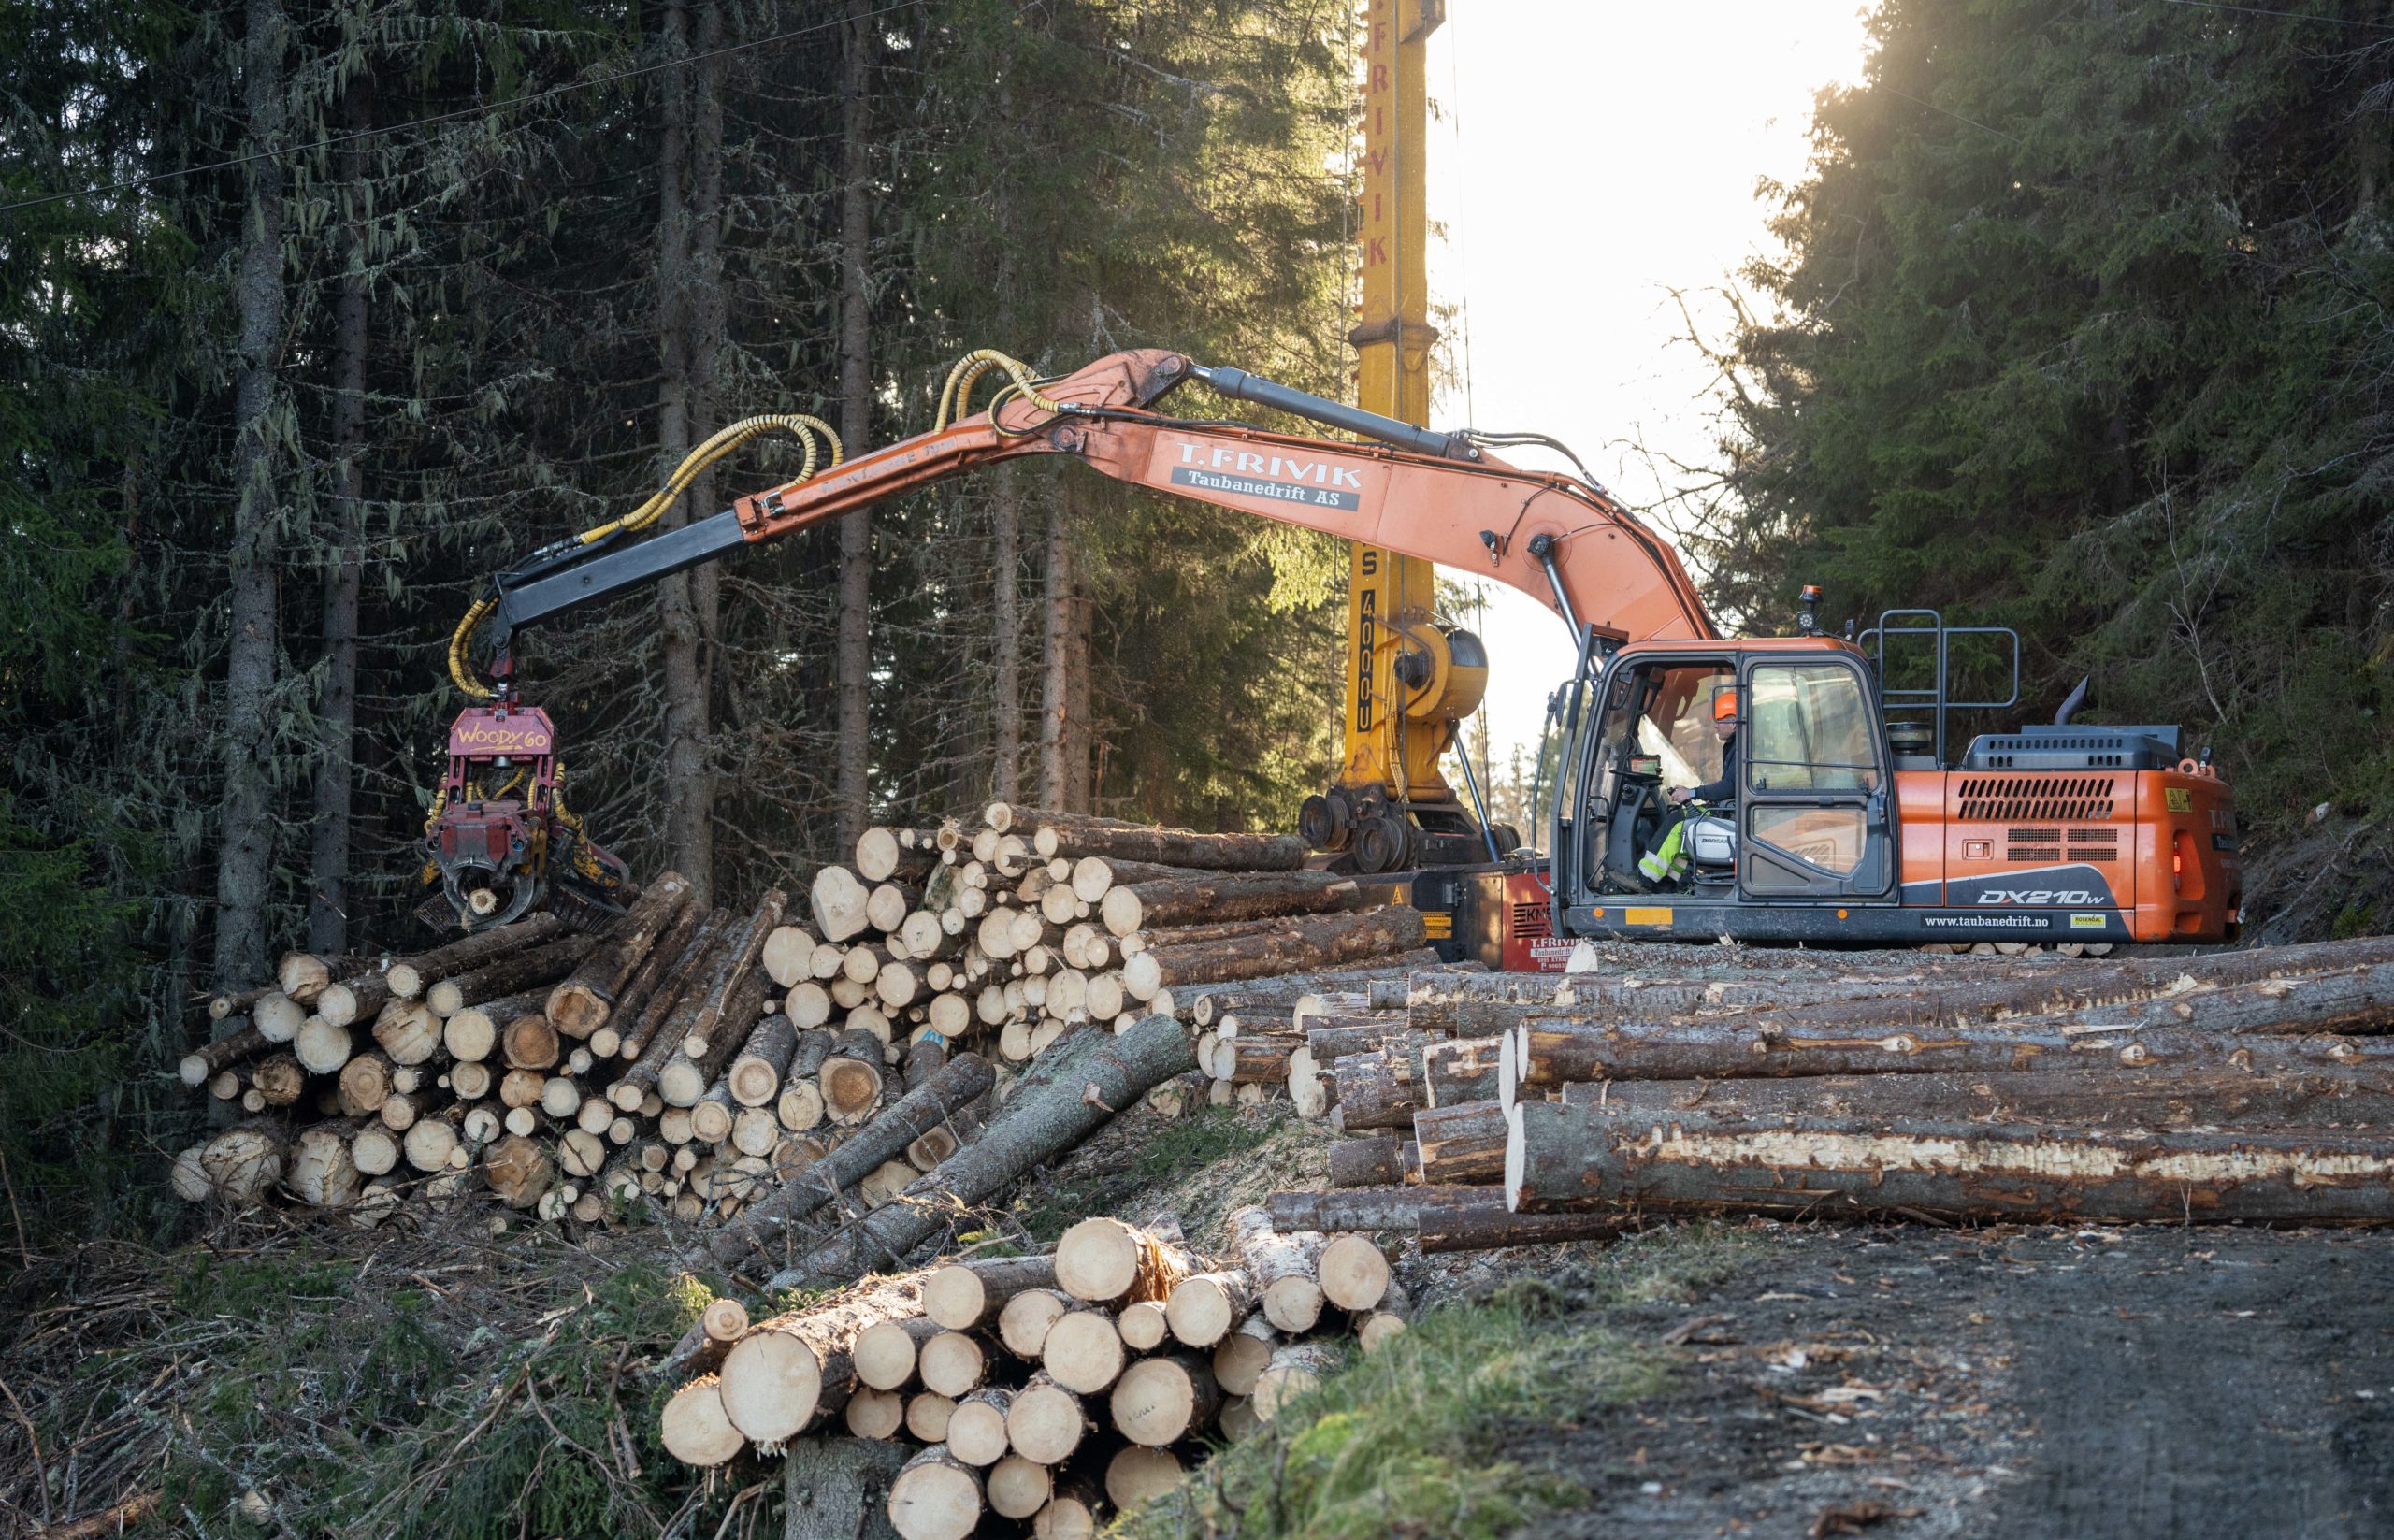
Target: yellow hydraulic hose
x,y
957,396
799,424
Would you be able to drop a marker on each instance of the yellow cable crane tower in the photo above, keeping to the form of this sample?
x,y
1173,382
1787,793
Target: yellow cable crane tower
x,y
1411,678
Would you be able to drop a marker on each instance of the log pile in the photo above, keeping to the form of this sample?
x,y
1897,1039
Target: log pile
x,y
1053,1389
1515,1109
695,1061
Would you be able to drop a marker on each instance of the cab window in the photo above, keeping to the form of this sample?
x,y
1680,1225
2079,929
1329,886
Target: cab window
x,y
1676,727
1810,724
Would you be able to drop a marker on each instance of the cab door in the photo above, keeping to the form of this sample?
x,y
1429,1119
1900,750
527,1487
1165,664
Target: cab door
x,y
1815,817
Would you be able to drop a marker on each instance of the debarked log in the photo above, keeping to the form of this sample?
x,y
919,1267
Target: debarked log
x,y
2316,988
1539,1054
1563,1157
2169,1096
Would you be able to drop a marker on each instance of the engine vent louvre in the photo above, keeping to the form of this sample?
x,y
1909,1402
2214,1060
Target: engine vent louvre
x,y
2036,798
2094,844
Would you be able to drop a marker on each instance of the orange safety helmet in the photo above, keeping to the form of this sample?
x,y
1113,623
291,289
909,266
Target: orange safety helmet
x,y
1725,705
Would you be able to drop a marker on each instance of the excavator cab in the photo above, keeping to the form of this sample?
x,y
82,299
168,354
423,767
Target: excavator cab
x,y
1807,817
1856,816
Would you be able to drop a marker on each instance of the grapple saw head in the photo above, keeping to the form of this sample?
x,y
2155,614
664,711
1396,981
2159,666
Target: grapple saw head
x,y
500,841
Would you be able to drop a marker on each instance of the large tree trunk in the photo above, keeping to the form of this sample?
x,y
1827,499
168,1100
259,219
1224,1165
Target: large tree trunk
x,y
1485,1224
2355,999
586,999
1074,837
1070,1091
836,1488
1308,941
1565,1157
1080,727
1460,1144
1376,1090
509,974
706,316
1418,1207
854,665
653,1040
1714,1050
1005,622
1282,993
966,1295
689,830
1055,695
2324,985
715,1029
787,1372
337,700
1482,1004
1232,895
2318,1097
245,859
410,977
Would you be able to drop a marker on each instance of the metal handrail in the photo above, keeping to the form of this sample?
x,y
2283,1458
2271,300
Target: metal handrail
x,y
1931,698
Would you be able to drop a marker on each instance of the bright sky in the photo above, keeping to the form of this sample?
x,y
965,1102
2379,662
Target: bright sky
x,y
1596,154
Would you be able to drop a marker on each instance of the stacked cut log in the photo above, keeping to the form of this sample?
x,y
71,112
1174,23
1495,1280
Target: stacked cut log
x,y
1519,1109
582,1075
693,1060
1007,935
1047,1388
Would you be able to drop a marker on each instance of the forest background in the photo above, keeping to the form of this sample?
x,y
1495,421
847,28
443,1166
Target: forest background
x,y
2081,327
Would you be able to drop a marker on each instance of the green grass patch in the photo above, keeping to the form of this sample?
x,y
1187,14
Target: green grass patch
x,y
1419,1438
1415,1436
1666,1265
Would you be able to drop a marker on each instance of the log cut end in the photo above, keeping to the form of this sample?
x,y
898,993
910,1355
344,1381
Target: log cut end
x,y
1084,1351
1019,1488
770,1384
936,1497
1027,1318
1352,1273
1138,1474
953,1364
695,1430
1045,1423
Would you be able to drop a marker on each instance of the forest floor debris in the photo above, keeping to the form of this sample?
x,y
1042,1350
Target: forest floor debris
x,y
1631,1375
1745,1378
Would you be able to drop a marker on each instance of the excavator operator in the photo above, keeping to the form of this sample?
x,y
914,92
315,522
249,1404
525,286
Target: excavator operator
x,y
1724,722
1667,860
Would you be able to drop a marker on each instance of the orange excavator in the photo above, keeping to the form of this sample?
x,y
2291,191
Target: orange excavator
x,y
1842,819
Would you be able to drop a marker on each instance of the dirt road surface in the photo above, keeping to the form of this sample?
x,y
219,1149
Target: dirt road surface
x,y
1910,1383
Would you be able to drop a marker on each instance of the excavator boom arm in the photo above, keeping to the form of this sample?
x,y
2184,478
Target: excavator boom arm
x,y
1556,539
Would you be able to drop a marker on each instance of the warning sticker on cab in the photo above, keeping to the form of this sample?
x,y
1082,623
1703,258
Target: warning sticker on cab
x,y
1647,916
2087,922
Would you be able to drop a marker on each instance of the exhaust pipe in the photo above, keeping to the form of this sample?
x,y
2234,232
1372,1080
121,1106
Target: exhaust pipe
x,y
2070,707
